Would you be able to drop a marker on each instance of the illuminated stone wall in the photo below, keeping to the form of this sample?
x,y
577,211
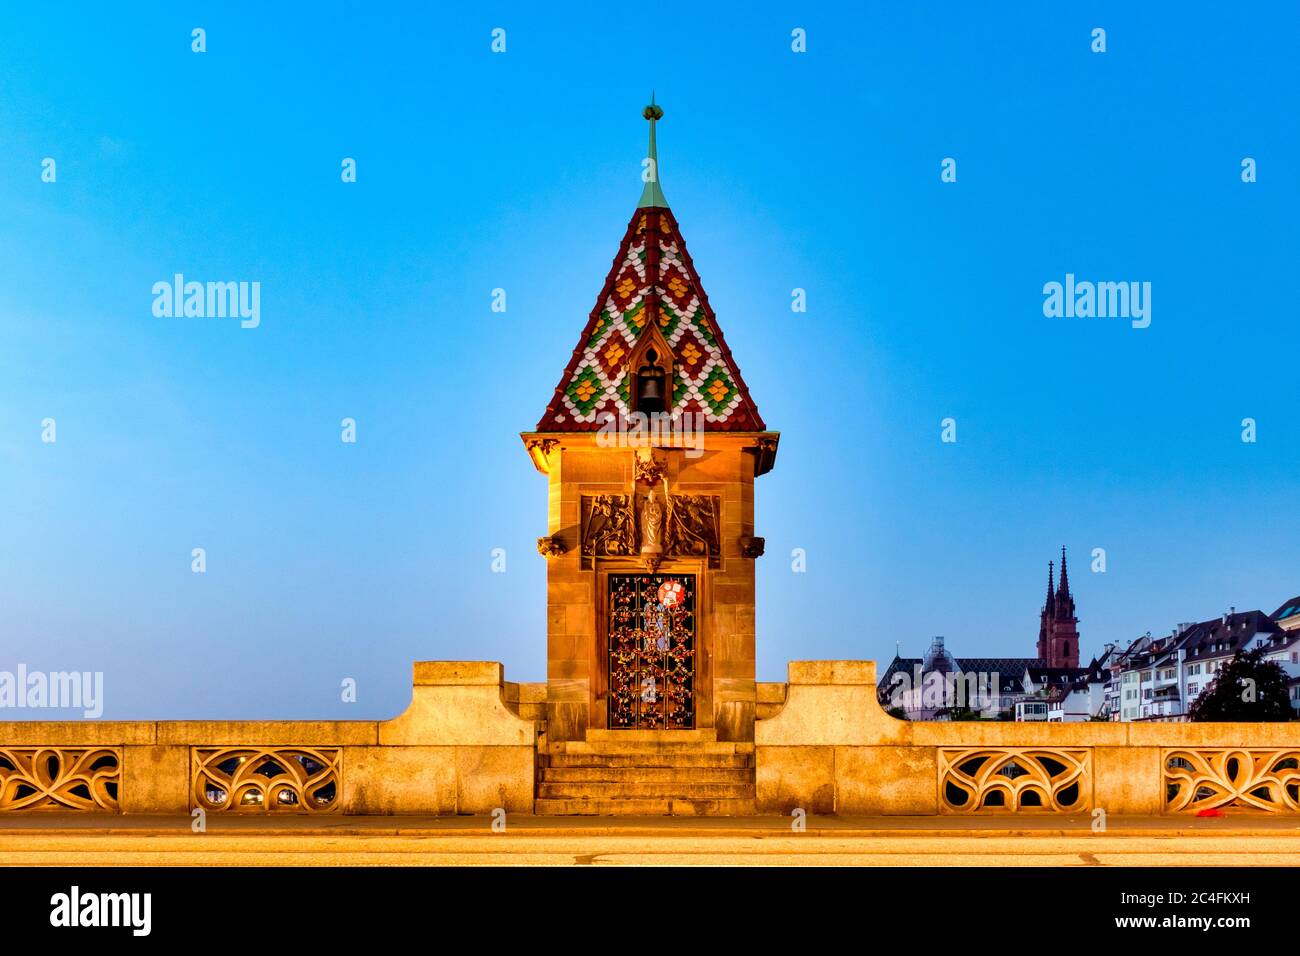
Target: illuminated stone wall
x,y
830,748
460,747
468,743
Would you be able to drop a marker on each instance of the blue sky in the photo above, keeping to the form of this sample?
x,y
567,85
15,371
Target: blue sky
x,y
520,170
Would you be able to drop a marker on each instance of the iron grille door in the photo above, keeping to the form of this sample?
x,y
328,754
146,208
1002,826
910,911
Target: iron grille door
x,y
651,651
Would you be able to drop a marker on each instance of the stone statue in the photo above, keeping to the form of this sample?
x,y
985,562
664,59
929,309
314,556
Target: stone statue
x,y
652,525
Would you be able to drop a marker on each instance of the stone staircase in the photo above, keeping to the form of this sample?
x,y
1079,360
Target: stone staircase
x,y
646,773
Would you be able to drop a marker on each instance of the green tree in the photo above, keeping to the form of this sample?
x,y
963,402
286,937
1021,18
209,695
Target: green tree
x,y
1248,688
960,712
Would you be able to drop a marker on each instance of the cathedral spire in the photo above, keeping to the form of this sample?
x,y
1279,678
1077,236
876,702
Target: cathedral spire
x,y
1051,595
1064,600
652,197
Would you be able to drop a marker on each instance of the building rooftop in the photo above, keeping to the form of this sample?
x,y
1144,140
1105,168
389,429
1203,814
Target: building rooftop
x,y
1289,609
652,300
1010,670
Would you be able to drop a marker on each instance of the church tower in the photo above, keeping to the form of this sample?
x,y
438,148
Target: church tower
x,y
651,444
1058,627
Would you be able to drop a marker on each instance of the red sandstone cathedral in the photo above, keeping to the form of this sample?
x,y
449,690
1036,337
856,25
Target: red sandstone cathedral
x,y
1058,628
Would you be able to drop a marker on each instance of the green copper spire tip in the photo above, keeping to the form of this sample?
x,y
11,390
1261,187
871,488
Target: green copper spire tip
x,y
652,197
653,112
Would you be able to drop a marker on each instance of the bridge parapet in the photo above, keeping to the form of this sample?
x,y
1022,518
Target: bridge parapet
x,y
468,744
459,747
830,748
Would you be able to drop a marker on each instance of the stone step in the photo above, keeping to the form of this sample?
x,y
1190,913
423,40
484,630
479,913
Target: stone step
x,y
646,808
640,774
648,747
651,791
647,760
701,736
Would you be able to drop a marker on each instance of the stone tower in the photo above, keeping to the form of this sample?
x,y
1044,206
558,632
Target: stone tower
x,y
651,444
1058,627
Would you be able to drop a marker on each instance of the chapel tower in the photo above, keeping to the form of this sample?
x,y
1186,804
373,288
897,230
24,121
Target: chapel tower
x,y
651,444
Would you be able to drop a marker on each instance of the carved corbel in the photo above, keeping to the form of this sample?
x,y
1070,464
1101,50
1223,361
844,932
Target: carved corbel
x,y
752,547
539,450
648,470
764,452
551,546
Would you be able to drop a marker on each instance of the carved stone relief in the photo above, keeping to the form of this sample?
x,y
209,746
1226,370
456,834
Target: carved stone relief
x,y
652,526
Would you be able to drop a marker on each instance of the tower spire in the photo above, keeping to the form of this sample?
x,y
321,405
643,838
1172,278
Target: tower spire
x,y
652,296
1064,599
1051,587
652,197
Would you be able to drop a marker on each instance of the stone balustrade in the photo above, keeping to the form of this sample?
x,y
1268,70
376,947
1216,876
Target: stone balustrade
x,y
458,748
830,748
468,744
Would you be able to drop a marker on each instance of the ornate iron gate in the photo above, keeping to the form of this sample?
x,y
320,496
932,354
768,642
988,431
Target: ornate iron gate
x,y
651,651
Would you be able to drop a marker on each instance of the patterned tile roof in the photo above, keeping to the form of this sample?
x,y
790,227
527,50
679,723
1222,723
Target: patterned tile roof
x,y
652,283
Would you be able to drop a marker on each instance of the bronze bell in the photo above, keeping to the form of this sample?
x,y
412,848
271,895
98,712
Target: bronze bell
x,y
650,390
652,386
